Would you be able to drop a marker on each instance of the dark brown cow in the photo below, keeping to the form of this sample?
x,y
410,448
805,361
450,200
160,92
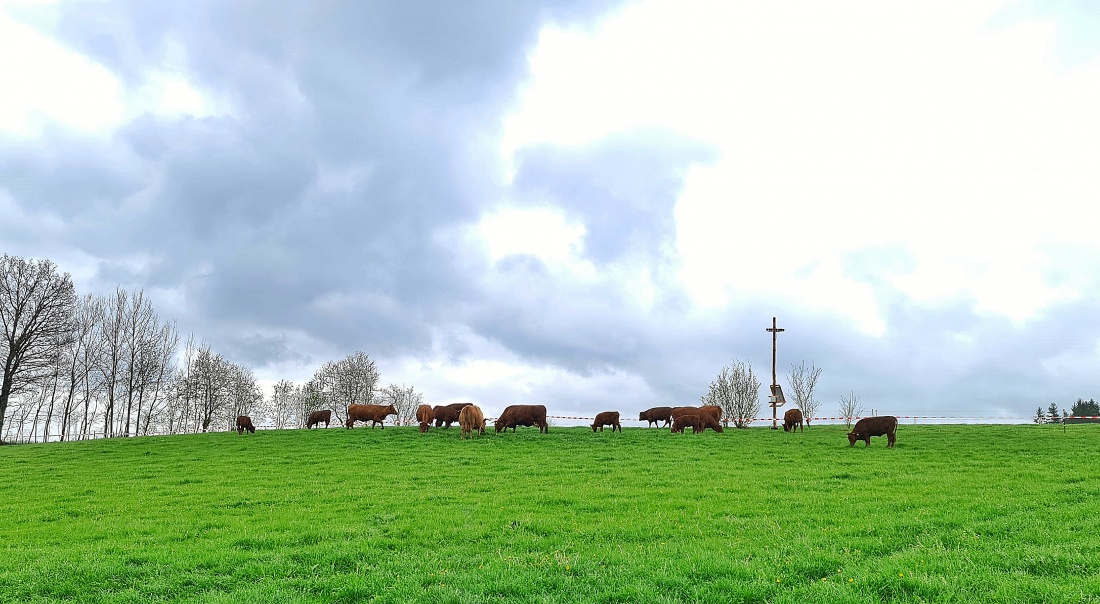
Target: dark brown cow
x,y
793,419
424,417
445,415
375,414
655,415
471,420
883,425
607,418
317,417
523,415
245,423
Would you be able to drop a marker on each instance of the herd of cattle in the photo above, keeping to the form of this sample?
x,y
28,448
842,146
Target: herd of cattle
x,y
470,419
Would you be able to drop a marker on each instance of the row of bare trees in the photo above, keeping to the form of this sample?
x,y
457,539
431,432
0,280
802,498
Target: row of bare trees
x,y
737,391
107,366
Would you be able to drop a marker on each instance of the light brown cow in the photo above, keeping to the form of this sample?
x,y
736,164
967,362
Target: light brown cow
x,y
424,417
712,410
375,414
471,419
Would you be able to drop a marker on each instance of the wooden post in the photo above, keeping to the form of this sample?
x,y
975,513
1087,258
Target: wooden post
x,y
775,403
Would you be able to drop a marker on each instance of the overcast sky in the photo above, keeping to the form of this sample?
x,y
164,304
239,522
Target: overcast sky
x,y
586,204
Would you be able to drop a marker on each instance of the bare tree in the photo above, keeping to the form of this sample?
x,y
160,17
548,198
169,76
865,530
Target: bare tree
x,y
405,400
737,392
36,314
803,381
205,387
245,395
283,407
850,408
337,384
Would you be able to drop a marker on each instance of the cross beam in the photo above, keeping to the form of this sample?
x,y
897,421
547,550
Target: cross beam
x,y
775,385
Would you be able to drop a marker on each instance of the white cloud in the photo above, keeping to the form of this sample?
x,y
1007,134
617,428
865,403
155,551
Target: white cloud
x,y
46,83
841,127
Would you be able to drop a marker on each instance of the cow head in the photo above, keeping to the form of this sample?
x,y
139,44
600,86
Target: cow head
x,y
391,410
349,423
852,438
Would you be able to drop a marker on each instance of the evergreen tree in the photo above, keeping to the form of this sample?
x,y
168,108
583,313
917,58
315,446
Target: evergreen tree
x,y
1040,417
1053,415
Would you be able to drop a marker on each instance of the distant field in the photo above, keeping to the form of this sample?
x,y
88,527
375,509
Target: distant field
x,y
953,514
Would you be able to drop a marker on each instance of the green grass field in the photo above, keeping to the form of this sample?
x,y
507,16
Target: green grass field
x,y
952,514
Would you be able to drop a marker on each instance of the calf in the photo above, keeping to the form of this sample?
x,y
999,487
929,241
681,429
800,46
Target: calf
x,y
655,415
424,417
375,414
883,425
245,423
698,423
607,418
793,419
523,415
445,415
317,417
684,420
471,420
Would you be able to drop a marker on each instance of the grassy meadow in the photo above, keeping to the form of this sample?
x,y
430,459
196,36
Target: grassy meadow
x,y
981,513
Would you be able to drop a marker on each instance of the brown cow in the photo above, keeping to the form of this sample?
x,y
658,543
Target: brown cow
x,y
445,415
424,417
607,418
245,423
375,414
471,419
698,423
793,419
712,410
683,420
523,415
883,425
656,415
317,417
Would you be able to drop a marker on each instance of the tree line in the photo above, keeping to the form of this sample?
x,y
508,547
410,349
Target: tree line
x,y
109,366
1081,412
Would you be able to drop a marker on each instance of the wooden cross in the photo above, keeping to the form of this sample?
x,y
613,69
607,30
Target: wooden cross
x,y
776,402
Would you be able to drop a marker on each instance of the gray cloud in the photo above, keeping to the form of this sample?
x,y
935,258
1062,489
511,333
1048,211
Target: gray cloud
x,y
325,201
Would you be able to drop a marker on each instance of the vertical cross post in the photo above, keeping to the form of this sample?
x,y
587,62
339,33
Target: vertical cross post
x,y
775,402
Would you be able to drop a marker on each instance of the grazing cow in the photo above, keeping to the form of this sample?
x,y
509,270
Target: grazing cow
x,y
607,418
317,417
375,414
424,417
471,420
245,423
445,415
883,425
656,415
793,419
523,415
712,410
